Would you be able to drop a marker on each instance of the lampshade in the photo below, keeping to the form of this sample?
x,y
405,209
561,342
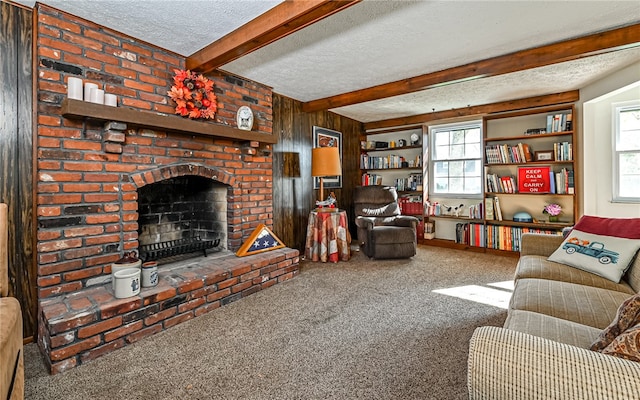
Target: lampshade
x,y
325,161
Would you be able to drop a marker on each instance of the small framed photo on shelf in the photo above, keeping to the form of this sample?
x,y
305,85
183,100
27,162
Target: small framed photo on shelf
x,y
544,155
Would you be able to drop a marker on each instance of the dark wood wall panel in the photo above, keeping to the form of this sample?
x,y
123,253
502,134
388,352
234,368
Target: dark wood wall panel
x,y
293,196
16,154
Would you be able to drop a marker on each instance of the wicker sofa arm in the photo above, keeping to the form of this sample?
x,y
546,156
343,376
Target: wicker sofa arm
x,y
536,244
505,364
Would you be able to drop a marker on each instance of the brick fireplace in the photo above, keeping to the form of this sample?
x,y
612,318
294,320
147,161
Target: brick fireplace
x,y
93,202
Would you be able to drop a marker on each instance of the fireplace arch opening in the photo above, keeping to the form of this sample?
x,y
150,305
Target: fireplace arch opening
x,y
182,217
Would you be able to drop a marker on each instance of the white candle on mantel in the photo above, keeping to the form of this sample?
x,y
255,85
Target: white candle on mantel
x,y
97,96
110,100
74,88
87,90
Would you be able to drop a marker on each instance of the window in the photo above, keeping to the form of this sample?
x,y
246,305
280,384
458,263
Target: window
x,y
456,159
626,147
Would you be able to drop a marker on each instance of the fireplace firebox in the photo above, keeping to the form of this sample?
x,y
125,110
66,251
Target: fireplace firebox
x,y
181,217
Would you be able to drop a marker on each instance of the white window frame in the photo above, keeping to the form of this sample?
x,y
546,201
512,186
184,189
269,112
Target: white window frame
x,y
449,127
617,108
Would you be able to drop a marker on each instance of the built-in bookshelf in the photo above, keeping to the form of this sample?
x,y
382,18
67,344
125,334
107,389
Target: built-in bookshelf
x,y
393,157
529,163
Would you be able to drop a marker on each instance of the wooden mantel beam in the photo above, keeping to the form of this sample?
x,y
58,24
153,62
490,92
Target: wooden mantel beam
x,y
280,21
568,50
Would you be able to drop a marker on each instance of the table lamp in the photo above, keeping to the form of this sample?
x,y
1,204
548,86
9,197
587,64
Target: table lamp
x,y
325,161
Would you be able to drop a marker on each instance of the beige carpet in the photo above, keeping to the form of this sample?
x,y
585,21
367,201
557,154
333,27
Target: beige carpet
x,y
357,330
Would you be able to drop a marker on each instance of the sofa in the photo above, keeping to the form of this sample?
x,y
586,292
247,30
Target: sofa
x,y
11,342
555,315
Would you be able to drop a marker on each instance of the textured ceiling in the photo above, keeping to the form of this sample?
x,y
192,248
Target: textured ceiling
x,y
376,42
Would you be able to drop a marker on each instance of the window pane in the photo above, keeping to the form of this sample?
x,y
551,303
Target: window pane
x,y
458,137
456,185
441,153
472,168
630,120
473,135
456,168
472,185
629,163
630,186
457,151
629,134
472,150
442,138
440,169
629,140
441,185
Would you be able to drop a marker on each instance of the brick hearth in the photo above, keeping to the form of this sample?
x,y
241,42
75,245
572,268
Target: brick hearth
x,y
78,327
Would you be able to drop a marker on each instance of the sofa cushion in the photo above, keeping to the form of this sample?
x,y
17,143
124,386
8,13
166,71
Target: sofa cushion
x,y
603,246
587,305
541,268
627,316
552,328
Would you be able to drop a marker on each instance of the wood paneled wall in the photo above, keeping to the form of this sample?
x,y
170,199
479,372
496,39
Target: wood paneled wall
x,y
16,154
293,196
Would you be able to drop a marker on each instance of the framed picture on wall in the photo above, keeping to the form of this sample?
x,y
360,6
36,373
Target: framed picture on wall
x,y
323,137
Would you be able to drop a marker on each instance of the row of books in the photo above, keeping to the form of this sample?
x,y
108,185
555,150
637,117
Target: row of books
x,y
501,184
471,234
410,205
495,236
476,211
559,122
563,151
413,182
509,237
561,182
387,162
492,208
504,153
371,179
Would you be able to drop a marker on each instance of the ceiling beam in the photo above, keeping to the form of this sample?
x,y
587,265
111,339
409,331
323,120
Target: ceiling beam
x,y
511,105
278,22
568,50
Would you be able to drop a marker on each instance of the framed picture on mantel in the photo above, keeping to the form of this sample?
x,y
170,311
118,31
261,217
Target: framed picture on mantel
x,y
323,137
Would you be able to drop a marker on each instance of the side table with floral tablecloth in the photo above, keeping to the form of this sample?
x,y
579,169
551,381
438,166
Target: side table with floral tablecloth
x,y
328,237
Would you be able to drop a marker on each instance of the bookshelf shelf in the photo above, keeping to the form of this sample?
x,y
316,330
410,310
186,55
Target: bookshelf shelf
x,y
528,163
417,146
536,225
392,169
453,217
528,137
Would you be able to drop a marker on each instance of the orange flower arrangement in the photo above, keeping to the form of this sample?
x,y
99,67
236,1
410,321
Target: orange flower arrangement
x,y
193,95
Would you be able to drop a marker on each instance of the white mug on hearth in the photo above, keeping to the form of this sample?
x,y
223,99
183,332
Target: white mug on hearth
x,y
149,274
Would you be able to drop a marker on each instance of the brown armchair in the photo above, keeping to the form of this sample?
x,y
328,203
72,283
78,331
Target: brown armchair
x,y
382,231
11,358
